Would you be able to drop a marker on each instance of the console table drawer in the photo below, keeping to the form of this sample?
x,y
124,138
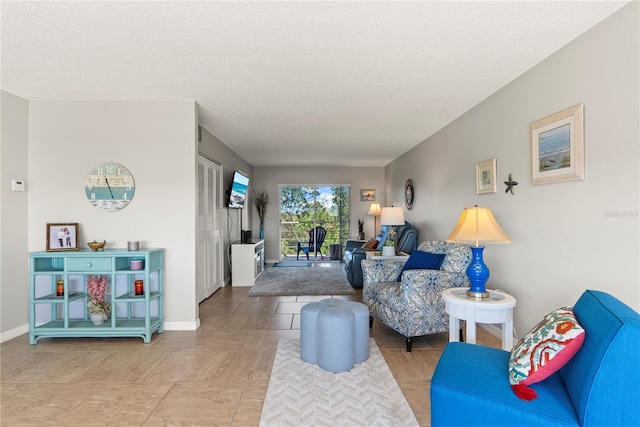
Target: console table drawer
x,y
89,264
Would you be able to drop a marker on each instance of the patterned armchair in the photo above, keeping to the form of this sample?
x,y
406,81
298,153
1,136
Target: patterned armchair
x,y
414,306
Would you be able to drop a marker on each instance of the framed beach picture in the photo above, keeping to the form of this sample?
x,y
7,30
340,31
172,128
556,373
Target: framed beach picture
x,y
368,195
486,177
557,147
62,237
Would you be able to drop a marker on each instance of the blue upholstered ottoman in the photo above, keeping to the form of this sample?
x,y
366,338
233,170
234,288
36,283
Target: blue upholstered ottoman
x,y
334,334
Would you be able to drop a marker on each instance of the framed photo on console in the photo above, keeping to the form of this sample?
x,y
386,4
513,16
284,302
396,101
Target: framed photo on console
x,y
62,237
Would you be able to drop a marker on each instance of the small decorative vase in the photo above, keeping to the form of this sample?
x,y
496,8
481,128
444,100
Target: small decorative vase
x,y
97,319
261,232
388,251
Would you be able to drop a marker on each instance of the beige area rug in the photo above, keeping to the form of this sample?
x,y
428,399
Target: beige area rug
x,y
302,394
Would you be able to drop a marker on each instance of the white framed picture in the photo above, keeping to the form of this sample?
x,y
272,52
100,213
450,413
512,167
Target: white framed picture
x,y
486,177
557,147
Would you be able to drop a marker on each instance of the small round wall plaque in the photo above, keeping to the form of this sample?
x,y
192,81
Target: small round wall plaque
x,y
409,194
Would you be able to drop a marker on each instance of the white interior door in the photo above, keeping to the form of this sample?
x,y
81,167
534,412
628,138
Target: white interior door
x,y
209,252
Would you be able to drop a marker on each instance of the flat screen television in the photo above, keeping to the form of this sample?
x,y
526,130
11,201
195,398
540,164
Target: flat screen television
x,y
238,193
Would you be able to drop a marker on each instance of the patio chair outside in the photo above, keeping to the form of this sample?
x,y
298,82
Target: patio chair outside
x,y
316,239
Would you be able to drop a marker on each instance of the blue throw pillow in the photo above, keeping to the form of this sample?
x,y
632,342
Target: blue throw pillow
x,y
419,260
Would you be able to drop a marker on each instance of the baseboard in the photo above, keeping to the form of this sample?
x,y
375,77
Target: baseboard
x,y
495,330
181,326
15,332
168,326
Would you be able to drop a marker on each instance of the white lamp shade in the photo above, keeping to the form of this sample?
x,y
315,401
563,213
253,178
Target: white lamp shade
x,y
392,216
478,227
374,209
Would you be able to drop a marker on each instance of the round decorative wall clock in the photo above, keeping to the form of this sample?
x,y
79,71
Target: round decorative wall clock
x,y
409,194
109,187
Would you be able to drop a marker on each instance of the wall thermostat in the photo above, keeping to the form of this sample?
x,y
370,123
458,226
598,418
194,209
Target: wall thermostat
x,y
17,185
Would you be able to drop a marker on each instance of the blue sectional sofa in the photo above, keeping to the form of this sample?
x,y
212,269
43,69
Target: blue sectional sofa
x,y
354,253
599,386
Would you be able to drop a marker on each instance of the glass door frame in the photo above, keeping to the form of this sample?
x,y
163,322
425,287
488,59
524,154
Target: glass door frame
x,y
335,234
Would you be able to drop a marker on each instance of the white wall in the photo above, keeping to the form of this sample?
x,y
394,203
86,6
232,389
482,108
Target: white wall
x,y
14,262
566,237
156,141
216,150
268,178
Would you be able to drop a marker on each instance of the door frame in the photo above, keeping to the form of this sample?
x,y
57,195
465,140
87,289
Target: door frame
x,y
281,186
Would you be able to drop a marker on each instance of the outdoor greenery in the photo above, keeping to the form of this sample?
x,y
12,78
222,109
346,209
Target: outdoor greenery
x,y
302,208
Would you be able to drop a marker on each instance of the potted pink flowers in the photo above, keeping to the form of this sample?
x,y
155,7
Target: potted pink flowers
x,y
97,306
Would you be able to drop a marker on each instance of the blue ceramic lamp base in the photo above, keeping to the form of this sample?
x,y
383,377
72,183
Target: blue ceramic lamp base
x,y
478,274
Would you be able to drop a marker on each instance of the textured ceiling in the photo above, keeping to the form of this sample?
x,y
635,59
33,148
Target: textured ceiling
x,y
290,83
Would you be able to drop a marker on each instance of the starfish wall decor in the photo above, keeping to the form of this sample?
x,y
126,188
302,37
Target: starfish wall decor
x,y
510,184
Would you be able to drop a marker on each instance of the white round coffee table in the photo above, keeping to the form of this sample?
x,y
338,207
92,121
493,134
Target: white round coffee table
x,y
497,308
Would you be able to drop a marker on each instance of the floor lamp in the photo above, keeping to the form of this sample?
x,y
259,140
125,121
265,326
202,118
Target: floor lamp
x,y
375,210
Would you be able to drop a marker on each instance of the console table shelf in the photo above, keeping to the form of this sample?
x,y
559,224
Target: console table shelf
x,y
132,315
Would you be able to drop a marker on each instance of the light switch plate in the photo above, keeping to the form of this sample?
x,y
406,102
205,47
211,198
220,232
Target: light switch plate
x,y
17,185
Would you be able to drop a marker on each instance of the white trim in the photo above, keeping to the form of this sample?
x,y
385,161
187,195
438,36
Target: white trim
x,y
181,326
15,332
496,330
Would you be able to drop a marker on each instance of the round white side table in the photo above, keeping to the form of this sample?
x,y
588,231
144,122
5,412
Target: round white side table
x,y
497,308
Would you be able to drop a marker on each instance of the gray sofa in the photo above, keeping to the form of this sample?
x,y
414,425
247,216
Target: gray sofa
x,y
354,253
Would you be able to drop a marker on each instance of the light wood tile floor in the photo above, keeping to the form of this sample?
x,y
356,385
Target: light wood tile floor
x,y
215,376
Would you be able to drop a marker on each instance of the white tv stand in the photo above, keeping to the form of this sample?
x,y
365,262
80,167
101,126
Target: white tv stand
x,y
247,262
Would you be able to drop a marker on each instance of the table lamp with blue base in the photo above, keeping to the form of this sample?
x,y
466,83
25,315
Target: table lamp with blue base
x,y
477,227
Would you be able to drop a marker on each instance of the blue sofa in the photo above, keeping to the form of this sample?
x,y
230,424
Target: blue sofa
x,y
599,386
354,253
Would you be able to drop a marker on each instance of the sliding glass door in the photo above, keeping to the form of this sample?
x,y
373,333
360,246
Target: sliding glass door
x,y
304,207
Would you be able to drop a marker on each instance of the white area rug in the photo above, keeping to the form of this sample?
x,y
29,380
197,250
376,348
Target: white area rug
x,y
302,394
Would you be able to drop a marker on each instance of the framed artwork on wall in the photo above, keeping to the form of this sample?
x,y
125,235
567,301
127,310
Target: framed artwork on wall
x,y
62,237
368,195
557,147
486,177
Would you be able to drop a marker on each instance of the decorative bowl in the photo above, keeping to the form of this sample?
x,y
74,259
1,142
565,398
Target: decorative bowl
x,y
96,246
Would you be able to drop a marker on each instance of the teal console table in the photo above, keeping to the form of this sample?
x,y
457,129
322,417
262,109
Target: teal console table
x,y
131,315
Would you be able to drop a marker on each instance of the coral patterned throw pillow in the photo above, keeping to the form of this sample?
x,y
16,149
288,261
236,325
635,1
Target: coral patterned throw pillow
x,y
544,350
